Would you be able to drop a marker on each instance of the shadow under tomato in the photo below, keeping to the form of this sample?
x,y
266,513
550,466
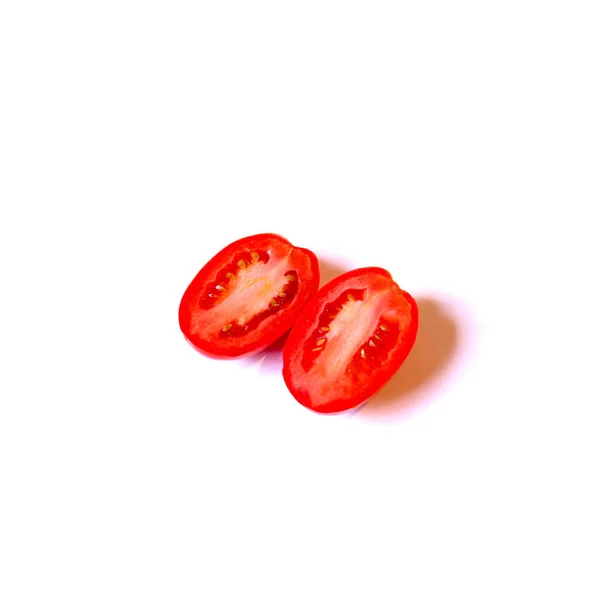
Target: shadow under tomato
x,y
435,348
330,269
270,361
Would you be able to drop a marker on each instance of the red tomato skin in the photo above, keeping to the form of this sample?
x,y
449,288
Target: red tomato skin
x,y
279,324
293,347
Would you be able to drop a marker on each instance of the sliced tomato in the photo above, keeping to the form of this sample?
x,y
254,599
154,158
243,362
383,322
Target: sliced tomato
x,y
248,295
349,340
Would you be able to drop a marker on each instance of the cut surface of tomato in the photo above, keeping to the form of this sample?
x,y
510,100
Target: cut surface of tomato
x,y
349,340
248,295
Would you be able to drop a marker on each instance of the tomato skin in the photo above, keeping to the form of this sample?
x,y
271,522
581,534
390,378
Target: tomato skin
x,y
328,387
195,320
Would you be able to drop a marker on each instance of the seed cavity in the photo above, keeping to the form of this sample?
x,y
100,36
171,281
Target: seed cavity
x,y
372,354
331,310
289,290
224,280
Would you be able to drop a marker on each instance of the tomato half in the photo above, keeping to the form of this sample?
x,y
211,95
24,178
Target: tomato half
x,y
349,340
248,295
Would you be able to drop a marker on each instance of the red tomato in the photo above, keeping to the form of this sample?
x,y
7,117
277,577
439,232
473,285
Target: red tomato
x,y
349,340
248,295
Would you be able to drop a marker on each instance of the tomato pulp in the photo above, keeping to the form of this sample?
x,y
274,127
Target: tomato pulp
x,y
349,340
248,295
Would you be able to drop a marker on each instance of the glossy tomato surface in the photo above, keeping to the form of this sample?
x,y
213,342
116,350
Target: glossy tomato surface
x,y
349,340
248,295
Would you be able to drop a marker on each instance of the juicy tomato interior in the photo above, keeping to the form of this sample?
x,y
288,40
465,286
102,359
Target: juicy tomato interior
x,y
349,340
248,295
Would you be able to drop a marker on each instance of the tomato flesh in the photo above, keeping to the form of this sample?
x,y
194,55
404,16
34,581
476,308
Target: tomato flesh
x,y
248,295
349,340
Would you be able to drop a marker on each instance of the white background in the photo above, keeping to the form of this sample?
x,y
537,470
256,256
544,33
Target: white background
x,y
456,144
